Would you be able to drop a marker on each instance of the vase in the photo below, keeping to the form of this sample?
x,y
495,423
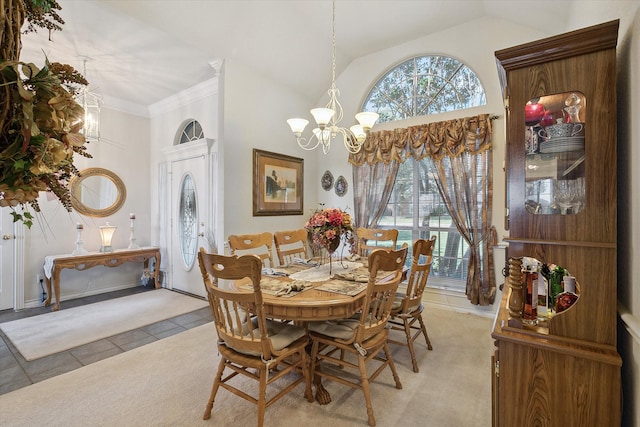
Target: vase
x,y
331,247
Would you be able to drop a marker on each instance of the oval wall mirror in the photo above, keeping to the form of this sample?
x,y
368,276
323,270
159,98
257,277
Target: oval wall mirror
x,y
97,192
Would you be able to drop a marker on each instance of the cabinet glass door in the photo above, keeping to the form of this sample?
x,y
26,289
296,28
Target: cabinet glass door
x,y
554,140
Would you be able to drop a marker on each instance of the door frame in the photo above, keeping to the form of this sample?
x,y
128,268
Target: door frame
x,y
15,263
211,195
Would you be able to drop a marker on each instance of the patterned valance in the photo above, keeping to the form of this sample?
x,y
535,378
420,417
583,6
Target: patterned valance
x,y
439,139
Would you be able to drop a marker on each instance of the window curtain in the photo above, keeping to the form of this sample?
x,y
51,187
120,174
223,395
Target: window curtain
x,y
372,187
461,152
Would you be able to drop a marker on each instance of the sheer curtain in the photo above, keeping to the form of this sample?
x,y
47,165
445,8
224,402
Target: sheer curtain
x,y
461,152
372,187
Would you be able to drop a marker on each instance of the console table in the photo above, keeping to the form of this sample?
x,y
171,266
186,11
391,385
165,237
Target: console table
x,y
54,264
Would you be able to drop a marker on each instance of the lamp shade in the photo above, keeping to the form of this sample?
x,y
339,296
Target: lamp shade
x,y
322,116
106,234
298,125
367,119
359,133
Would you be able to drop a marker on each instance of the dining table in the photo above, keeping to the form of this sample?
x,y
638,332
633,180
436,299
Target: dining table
x,y
310,291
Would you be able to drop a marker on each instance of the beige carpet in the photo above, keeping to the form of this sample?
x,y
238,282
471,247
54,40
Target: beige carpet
x,y
50,333
167,383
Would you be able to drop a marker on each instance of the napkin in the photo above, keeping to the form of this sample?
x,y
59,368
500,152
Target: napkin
x,y
305,262
353,277
273,272
295,286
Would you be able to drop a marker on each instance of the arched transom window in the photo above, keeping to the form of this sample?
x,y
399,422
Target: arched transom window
x,y
425,85
192,131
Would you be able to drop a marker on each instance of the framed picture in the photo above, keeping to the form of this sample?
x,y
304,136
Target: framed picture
x,y
277,184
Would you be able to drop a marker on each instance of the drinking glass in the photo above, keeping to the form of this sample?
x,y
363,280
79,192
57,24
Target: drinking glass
x,y
562,194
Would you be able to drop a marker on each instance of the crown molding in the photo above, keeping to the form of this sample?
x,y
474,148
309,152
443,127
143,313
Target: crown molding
x,y
188,96
125,106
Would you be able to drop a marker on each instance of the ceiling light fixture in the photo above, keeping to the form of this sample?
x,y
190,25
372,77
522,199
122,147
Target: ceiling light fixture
x,y
329,117
91,104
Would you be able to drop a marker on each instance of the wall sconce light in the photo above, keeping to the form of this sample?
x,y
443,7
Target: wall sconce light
x,y
106,234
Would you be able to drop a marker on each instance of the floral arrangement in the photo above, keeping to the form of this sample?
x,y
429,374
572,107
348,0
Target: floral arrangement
x,y
40,120
327,225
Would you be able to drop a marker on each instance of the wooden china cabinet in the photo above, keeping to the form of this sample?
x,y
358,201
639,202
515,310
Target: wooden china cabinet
x,y
560,100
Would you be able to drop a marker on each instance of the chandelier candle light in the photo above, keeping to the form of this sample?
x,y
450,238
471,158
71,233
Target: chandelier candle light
x,y
132,235
329,117
79,250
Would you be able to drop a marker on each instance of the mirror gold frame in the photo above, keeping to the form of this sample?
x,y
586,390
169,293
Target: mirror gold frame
x,y
80,205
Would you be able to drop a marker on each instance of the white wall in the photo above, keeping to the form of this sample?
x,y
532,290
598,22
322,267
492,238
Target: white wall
x,y
256,109
123,149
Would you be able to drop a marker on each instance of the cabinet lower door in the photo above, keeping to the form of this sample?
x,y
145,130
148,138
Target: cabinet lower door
x,y
539,387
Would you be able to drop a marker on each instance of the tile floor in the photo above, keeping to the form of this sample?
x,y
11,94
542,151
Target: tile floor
x,y
16,372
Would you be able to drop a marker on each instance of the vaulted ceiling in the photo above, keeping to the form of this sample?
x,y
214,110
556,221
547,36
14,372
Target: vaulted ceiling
x,y
140,52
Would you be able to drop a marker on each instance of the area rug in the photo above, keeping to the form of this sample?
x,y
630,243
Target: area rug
x,y
167,383
50,333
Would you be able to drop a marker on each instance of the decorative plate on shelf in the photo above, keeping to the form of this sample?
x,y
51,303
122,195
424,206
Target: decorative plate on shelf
x,y
327,180
341,186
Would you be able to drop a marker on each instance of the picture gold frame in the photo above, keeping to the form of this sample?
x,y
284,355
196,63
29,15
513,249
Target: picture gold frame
x,y
278,182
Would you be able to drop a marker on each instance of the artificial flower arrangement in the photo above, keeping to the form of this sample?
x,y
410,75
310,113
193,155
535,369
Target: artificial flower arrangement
x,y
328,226
40,120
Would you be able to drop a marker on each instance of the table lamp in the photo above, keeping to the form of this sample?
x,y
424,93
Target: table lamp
x,y
106,234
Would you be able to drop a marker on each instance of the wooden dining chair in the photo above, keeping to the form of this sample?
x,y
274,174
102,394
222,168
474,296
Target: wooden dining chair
x,y
362,336
407,307
251,345
260,244
291,244
375,238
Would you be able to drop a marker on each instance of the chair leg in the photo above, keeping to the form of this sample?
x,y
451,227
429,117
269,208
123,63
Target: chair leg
x,y
407,331
364,378
262,396
424,331
392,365
214,389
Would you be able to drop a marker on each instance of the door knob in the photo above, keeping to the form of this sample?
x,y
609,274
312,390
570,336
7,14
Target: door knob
x,y
7,237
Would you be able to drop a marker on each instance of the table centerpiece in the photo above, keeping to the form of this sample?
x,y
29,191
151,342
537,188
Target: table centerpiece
x,y
328,227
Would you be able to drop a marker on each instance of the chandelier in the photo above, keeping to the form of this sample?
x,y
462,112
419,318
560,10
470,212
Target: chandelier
x,y
91,103
329,117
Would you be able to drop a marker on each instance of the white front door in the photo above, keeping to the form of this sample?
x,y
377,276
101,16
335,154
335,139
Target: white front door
x,y
191,212
7,257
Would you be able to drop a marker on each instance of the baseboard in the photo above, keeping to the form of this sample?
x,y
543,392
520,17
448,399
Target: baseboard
x,y
457,301
66,297
631,323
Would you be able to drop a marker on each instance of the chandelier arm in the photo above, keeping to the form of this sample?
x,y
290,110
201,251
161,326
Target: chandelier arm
x,y
308,144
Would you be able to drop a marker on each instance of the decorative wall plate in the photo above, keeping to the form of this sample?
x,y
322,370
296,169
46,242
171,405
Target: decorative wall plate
x,y
341,186
327,180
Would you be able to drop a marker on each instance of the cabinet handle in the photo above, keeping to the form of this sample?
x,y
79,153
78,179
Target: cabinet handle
x,y
496,369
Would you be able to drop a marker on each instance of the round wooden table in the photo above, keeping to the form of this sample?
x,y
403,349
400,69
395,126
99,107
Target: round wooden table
x,y
312,305
307,306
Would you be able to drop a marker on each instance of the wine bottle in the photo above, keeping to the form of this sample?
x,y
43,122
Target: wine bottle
x,y
568,297
555,284
530,314
543,311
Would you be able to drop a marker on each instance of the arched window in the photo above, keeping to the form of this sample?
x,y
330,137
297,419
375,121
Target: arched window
x,y
192,131
422,86
425,85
